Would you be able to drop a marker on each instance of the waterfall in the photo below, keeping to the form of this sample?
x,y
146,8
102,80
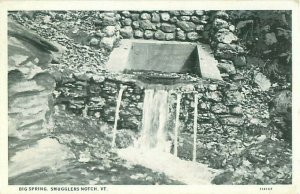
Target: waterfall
x,y
152,149
155,118
176,124
195,127
119,99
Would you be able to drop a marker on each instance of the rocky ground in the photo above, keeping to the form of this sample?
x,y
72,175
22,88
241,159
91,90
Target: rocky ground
x,y
90,158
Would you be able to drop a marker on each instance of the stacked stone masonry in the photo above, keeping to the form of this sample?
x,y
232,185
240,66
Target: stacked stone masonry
x,y
213,27
219,104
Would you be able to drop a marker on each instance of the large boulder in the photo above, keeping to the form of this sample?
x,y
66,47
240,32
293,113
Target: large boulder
x,y
30,84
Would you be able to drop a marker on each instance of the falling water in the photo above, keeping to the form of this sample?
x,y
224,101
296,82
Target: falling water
x,y
176,124
155,117
195,127
152,149
117,115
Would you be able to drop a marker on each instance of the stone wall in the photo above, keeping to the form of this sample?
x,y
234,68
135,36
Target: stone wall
x,y
213,27
219,104
267,36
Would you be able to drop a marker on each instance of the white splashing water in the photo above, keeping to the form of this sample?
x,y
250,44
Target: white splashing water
x,y
152,149
176,124
155,117
113,143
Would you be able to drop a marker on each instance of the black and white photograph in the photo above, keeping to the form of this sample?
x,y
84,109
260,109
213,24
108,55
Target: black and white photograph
x,y
149,97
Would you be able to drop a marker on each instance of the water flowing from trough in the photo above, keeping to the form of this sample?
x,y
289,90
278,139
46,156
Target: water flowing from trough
x,y
155,117
152,148
119,99
176,124
195,127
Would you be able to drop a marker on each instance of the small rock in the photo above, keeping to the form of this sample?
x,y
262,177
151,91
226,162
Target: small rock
x,y
159,35
219,24
138,34
204,106
199,12
174,20
155,18
126,32
270,38
212,87
126,22
99,34
186,12
232,28
108,21
94,42
186,26
98,78
170,36
193,36
204,18
226,37
146,25
84,156
107,42
180,35
118,17
214,96
232,121
200,28
109,31
107,14
135,16
135,24
222,15
145,16
148,34
165,17
228,51
195,19
175,12
219,108
165,27
97,22
81,76
262,81
233,98
125,13
240,61
226,66
137,176
236,110
185,18
237,77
